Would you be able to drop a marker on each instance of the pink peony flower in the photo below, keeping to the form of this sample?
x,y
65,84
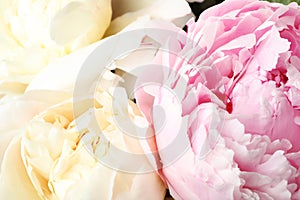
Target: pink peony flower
x,y
255,63
229,93
219,159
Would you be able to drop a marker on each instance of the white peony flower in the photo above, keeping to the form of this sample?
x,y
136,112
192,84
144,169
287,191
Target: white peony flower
x,y
50,159
36,33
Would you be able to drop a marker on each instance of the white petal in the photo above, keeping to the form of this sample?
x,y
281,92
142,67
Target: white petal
x,y
14,181
81,22
86,64
15,114
171,10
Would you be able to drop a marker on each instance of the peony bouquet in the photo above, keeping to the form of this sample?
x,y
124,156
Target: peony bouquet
x,y
112,99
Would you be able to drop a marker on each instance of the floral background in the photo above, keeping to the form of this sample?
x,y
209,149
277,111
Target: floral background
x,y
162,99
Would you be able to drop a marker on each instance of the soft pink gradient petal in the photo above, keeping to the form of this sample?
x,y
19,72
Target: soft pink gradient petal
x,y
240,105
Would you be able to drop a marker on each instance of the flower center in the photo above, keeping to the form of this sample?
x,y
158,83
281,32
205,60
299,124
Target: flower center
x,y
277,76
229,105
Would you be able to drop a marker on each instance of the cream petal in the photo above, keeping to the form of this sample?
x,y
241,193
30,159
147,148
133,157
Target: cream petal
x,y
70,66
171,10
81,22
141,186
6,41
77,175
98,185
125,185
41,146
35,33
27,107
5,139
14,181
10,91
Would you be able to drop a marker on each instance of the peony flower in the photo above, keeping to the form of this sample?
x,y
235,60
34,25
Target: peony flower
x,y
34,34
41,97
56,177
254,56
17,111
46,91
214,157
16,114
50,159
220,104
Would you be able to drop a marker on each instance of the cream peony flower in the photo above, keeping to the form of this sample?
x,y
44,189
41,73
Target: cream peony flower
x,y
50,88
36,33
33,33
50,159
15,114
